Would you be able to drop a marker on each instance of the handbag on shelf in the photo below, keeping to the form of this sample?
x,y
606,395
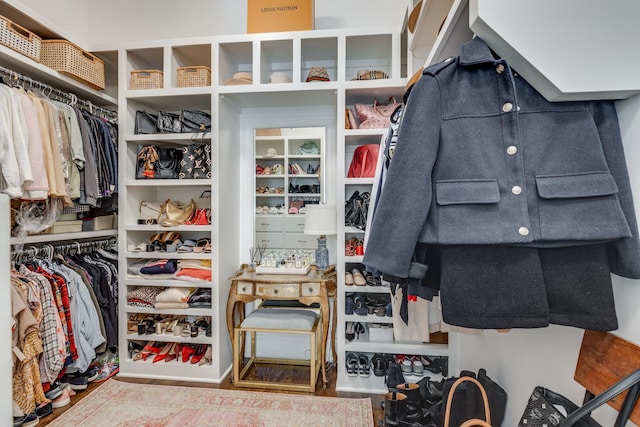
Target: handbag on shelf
x,y
169,122
195,162
194,121
146,123
375,116
308,148
173,213
157,162
148,212
356,210
364,161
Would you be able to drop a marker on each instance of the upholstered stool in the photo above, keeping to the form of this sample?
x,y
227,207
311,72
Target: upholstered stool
x,y
277,320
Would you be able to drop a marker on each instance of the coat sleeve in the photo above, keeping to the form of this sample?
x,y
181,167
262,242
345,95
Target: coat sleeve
x,y
624,254
406,194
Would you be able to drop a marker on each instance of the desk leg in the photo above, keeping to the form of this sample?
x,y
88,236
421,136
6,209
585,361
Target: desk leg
x,y
324,304
334,320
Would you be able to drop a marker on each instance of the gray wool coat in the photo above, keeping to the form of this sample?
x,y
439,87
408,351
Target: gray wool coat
x,y
483,158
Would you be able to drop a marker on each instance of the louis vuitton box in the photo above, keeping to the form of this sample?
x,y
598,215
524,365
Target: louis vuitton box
x,y
265,16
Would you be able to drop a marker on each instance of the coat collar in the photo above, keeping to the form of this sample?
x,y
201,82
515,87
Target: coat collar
x,y
476,51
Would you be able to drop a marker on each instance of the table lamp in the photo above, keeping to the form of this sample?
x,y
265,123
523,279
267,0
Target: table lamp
x,y
320,220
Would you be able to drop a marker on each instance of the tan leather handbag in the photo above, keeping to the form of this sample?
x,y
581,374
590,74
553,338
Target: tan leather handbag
x,y
175,213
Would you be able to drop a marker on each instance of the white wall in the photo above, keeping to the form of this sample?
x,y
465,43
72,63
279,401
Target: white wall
x,y
69,18
130,20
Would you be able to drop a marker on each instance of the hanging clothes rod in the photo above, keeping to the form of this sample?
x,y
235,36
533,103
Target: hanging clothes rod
x,y
45,249
67,97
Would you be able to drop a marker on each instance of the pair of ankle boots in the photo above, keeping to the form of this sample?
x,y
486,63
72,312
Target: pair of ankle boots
x,y
403,407
413,405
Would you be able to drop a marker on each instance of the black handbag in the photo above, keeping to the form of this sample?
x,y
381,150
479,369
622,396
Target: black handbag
x,y
169,122
194,121
157,162
195,162
540,407
356,210
146,123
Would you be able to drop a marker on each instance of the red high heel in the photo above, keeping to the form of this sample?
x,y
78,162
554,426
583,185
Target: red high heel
x,y
149,349
200,351
187,352
164,352
173,353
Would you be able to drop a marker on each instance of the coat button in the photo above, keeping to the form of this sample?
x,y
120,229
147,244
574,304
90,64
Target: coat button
x,y
499,68
511,150
507,107
523,231
516,189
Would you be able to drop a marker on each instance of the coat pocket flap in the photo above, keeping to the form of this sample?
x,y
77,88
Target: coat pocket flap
x,y
576,185
457,192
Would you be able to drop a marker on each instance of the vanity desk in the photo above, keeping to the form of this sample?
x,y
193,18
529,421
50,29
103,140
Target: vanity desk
x,y
313,287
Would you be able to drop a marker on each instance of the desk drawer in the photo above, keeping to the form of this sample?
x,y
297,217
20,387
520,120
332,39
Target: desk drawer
x,y
281,290
244,288
300,241
294,224
270,240
269,223
310,289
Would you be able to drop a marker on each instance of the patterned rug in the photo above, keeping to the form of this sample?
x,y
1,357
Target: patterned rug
x,y
118,403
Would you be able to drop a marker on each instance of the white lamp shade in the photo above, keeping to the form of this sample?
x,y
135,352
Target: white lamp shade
x,y
320,219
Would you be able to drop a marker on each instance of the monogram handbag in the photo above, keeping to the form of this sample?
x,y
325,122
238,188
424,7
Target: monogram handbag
x,y
146,123
194,121
542,407
169,122
375,116
195,162
173,213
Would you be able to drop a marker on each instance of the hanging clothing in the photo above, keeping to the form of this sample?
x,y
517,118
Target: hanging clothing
x,y
483,158
485,173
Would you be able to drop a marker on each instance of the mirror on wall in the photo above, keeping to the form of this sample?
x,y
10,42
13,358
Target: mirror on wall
x,y
289,164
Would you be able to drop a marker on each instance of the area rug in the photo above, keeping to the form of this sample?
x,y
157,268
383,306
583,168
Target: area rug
x,y
118,403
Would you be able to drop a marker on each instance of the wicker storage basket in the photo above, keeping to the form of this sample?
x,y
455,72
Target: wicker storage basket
x,y
20,39
146,79
194,76
69,59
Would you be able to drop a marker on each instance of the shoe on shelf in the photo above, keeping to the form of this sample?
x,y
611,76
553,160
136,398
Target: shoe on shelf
x,y
187,352
350,331
201,349
75,382
436,365
377,361
162,354
44,409
63,400
54,391
29,420
358,278
364,365
351,363
149,349
348,279
207,358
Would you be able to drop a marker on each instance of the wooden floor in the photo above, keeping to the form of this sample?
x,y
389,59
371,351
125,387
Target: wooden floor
x,y
227,385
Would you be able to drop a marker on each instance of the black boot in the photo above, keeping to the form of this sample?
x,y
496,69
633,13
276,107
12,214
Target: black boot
x,y
394,408
413,402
